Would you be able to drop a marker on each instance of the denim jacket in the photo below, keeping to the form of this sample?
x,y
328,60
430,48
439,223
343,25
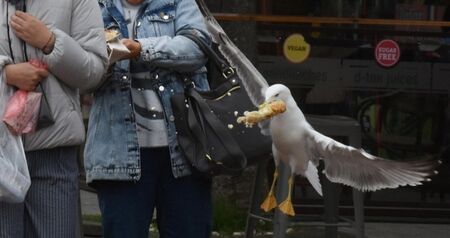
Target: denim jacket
x,y
112,150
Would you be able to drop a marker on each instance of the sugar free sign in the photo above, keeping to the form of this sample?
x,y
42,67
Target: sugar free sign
x,y
387,53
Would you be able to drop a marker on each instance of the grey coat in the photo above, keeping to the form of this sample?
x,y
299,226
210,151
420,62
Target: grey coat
x,y
76,64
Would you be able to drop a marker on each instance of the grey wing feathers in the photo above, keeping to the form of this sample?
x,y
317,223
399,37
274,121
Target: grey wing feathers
x,y
356,168
254,83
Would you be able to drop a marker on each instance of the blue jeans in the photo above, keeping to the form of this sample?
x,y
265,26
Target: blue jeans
x,y
183,205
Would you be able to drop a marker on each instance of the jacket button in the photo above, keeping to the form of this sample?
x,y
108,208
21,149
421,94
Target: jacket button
x,y
164,16
139,24
124,77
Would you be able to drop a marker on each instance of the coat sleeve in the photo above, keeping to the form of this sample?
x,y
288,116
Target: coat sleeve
x,y
4,60
178,53
79,58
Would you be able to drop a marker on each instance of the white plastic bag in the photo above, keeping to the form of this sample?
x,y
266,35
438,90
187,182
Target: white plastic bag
x,y
14,175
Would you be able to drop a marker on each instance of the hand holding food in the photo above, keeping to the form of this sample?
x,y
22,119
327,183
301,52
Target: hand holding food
x,y
111,35
133,46
116,49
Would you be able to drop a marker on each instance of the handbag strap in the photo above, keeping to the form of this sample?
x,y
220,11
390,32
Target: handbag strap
x,y
206,117
226,70
203,8
229,77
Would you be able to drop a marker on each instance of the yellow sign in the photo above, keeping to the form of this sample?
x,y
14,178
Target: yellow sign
x,y
315,34
296,49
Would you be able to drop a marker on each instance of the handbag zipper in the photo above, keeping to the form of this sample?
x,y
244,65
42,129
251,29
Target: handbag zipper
x,y
228,92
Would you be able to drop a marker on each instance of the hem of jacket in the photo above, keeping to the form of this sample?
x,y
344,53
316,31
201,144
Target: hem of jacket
x,y
120,174
178,173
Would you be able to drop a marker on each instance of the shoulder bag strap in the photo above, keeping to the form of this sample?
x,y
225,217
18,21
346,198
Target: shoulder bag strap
x,y
229,79
226,70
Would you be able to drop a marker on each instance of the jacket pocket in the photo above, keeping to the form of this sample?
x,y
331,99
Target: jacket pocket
x,y
163,21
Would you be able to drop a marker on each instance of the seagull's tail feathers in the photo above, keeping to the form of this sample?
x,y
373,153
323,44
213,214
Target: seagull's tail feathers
x,y
312,175
361,170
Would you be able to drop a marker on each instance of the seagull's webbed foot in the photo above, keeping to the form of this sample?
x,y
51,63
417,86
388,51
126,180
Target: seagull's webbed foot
x,y
286,206
270,202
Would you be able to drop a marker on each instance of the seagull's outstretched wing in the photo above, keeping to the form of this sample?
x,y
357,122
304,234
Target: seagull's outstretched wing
x,y
254,83
356,168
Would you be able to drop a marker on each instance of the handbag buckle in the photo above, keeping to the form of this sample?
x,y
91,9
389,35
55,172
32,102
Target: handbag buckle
x,y
208,157
228,72
189,83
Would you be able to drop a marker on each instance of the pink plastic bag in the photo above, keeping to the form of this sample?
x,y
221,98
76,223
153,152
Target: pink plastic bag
x,y
38,63
22,111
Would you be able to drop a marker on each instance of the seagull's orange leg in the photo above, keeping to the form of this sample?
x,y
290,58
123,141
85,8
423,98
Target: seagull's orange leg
x,y
286,206
270,202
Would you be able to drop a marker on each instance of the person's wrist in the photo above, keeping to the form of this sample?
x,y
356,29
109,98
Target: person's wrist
x,y
137,53
48,47
7,73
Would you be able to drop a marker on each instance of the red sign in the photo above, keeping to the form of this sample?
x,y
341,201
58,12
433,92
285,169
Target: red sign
x,y
387,53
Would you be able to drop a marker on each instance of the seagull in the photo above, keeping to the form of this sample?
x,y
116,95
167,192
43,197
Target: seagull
x,y
297,144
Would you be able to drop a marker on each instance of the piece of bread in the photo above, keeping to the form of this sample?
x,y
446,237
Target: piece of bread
x,y
265,111
111,35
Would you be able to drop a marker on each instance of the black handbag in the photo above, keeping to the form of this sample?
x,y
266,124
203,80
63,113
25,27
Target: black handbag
x,y
207,131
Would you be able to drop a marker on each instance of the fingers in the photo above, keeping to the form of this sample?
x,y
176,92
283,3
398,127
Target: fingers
x,y
19,20
22,14
17,24
130,44
133,46
24,75
32,85
43,73
30,29
127,43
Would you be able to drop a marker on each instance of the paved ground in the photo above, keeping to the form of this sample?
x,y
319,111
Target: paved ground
x,y
389,230
373,230
89,203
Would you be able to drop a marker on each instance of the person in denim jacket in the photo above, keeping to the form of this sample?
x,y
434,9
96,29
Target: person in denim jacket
x,y
132,155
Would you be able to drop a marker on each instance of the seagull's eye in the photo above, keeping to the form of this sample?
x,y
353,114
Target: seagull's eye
x,y
276,95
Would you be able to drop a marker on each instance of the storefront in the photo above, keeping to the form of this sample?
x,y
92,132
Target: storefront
x,y
385,63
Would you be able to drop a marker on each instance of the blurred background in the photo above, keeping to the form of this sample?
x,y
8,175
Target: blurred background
x,y
403,110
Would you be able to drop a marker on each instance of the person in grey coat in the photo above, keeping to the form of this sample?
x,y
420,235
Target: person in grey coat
x,y
68,36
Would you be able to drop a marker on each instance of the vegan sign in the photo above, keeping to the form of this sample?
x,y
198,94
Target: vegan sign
x,y
295,48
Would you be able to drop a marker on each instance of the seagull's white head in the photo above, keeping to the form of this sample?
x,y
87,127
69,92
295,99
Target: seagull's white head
x,y
277,92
